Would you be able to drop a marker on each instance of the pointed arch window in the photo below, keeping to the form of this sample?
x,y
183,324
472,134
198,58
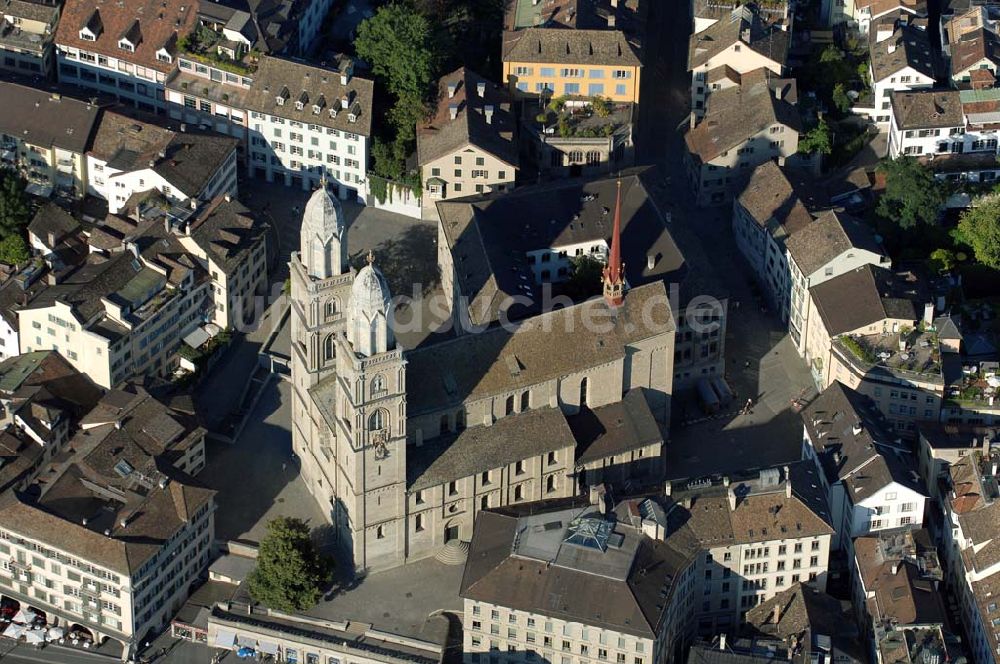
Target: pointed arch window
x,y
525,400
329,349
330,309
378,384
379,420
583,393
509,406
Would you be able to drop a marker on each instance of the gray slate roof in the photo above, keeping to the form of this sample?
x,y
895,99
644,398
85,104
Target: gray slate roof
x,y
927,109
481,448
615,428
46,119
908,46
768,40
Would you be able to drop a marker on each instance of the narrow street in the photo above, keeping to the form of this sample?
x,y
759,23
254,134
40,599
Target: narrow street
x,y
761,362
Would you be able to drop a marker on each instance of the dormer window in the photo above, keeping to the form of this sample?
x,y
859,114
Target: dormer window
x,y
129,40
351,117
318,106
93,27
301,102
333,112
282,96
163,56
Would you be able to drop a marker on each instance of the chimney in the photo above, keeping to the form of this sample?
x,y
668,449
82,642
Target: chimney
x,y
891,47
725,480
228,197
732,499
650,261
481,89
788,483
184,127
451,90
668,488
895,567
722,641
745,35
488,112
453,111
344,77
692,120
611,20
345,102
929,313
986,446
776,614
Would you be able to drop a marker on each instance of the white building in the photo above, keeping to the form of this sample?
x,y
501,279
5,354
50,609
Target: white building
x,y
944,122
129,156
125,49
112,555
765,213
834,244
871,481
901,58
689,563
306,122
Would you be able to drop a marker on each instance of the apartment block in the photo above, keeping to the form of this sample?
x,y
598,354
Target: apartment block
x,y
902,59
27,28
739,43
45,137
743,127
765,214
469,145
129,156
870,478
970,42
556,61
125,49
701,556
944,123
111,541
309,123
833,244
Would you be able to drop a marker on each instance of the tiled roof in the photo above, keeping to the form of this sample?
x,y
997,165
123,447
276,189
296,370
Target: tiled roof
x,y
615,428
46,119
927,109
860,298
154,24
972,48
830,235
441,135
743,25
908,46
736,114
318,89
561,46
772,202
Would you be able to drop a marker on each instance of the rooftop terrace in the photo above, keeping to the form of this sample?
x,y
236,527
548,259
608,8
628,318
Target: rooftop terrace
x,y
908,353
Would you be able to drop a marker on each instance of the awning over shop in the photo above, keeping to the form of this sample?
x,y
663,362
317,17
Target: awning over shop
x,y
268,648
224,639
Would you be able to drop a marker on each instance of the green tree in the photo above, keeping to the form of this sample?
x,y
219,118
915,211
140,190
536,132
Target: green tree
x,y
942,260
584,278
398,43
290,571
14,250
912,196
979,227
14,210
817,140
840,98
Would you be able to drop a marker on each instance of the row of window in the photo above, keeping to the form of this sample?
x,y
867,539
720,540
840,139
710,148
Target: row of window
x,y
593,89
572,72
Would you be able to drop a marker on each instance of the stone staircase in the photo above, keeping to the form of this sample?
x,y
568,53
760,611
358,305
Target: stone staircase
x,y
453,552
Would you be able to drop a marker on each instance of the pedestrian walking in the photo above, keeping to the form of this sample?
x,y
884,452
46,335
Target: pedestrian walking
x,y
284,465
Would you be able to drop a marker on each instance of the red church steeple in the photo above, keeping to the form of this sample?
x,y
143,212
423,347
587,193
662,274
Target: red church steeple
x,y
614,271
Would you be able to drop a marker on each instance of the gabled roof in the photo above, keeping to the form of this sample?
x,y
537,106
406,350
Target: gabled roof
x,y
615,428
772,201
158,22
972,48
830,235
852,444
860,298
736,114
743,25
441,135
909,46
570,47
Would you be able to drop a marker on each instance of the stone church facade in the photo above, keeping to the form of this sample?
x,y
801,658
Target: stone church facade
x,y
402,448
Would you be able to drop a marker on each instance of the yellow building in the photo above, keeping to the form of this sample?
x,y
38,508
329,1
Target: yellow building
x,y
45,137
583,63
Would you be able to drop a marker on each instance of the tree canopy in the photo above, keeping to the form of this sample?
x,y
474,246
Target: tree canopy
x,y
979,227
817,139
13,249
912,196
290,571
584,278
14,210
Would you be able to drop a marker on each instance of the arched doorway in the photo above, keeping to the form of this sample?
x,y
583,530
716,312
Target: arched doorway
x,y
452,530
